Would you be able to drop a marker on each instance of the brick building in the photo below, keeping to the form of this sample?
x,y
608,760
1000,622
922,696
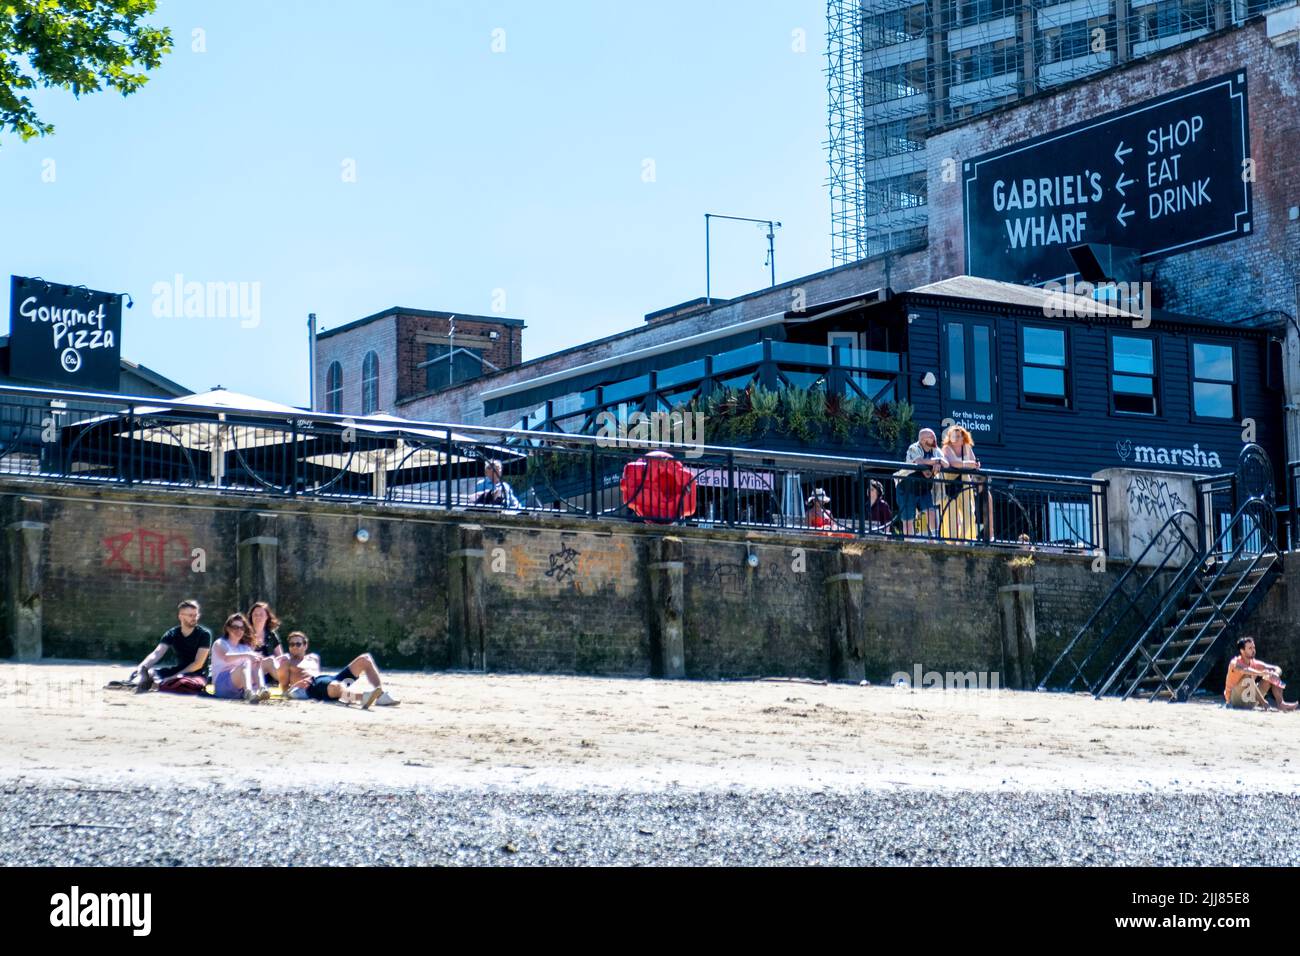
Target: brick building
x,y
389,361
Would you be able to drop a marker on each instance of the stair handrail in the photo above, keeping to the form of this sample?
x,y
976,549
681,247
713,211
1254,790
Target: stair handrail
x,y
1174,598
1174,522
1268,548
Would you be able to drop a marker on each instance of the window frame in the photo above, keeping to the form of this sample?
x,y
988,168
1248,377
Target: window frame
x,y
370,383
968,323
1157,379
1235,384
1026,399
334,391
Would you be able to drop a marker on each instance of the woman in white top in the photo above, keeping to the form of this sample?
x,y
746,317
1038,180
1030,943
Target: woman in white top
x,y
237,666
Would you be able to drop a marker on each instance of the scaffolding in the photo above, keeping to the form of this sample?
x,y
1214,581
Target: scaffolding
x,y
899,69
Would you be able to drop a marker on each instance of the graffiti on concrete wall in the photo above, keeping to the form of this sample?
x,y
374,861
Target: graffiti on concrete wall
x,y
148,553
1151,500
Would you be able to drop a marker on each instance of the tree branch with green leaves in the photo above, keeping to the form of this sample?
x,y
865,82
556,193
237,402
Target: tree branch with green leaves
x,y
79,45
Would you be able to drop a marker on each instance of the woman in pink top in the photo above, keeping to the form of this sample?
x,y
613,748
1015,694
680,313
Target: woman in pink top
x,y
237,665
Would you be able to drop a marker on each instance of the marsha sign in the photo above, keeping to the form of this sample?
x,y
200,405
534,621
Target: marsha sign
x,y
64,335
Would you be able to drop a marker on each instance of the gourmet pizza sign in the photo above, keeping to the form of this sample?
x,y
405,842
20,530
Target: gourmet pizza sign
x,y
64,335
1163,176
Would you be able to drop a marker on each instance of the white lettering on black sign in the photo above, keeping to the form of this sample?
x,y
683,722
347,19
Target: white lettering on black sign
x,y
1161,176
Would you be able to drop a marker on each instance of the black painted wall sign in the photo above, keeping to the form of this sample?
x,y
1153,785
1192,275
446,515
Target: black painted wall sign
x,y
63,335
1163,176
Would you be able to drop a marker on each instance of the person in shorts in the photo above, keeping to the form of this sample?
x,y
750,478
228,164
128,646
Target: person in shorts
x,y
300,675
1251,681
188,642
236,664
915,486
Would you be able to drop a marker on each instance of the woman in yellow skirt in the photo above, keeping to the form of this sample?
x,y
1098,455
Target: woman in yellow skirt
x,y
958,522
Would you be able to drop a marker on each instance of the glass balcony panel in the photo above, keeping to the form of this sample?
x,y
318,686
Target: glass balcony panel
x,y
738,358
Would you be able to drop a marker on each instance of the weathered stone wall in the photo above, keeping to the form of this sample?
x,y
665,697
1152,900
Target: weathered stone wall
x,y
509,593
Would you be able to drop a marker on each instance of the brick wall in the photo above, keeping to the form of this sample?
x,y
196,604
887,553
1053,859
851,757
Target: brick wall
x,y
412,340
349,350
1225,281
559,595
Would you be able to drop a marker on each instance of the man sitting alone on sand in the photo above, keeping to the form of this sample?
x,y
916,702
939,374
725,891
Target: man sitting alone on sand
x,y
1250,680
301,671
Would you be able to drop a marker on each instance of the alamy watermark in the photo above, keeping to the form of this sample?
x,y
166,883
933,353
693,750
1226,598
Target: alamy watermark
x,y
948,680
179,299
1067,300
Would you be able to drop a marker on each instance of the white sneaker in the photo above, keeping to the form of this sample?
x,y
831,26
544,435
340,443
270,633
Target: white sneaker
x,y
298,693
387,700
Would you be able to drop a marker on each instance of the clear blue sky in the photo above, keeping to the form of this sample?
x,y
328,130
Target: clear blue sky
x,y
475,171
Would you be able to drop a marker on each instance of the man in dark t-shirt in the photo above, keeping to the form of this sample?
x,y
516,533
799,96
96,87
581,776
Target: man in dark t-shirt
x,y
187,641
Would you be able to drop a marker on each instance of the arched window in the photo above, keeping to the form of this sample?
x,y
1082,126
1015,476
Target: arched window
x,y
370,384
334,389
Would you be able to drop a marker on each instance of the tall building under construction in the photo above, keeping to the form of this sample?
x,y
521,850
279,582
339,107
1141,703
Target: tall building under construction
x,y
901,69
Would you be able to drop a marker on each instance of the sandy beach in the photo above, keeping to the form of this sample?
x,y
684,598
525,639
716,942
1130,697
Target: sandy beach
x,y
58,726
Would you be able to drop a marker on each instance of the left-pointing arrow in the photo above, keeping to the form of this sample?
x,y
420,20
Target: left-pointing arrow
x,y
1123,214
1122,182
1121,152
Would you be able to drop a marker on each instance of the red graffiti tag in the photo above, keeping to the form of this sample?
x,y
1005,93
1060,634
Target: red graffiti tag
x,y
151,553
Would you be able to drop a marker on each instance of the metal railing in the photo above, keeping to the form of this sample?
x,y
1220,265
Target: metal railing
x,y
1247,542
1138,598
119,441
1289,517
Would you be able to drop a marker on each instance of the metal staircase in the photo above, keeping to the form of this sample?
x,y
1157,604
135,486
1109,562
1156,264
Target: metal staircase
x,y
1204,615
1175,611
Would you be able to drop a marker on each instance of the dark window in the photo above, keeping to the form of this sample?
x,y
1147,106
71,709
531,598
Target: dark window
x,y
1172,17
897,192
895,137
978,11
895,82
444,370
370,384
334,389
1133,375
894,26
985,61
957,361
1044,367
970,362
1214,379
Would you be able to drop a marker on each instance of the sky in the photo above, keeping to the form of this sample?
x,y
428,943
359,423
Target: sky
x,y
550,162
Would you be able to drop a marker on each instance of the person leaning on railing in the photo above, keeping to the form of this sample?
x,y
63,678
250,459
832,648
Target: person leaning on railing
x,y
492,490
915,485
959,513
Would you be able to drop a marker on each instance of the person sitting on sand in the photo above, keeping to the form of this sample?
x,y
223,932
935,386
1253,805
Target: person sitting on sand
x,y
263,637
237,665
188,642
1250,680
301,674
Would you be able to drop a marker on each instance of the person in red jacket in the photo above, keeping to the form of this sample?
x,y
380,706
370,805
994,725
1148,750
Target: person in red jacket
x,y
658,488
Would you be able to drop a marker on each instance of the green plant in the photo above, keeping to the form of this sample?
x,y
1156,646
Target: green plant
x,y
81,47
736,416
